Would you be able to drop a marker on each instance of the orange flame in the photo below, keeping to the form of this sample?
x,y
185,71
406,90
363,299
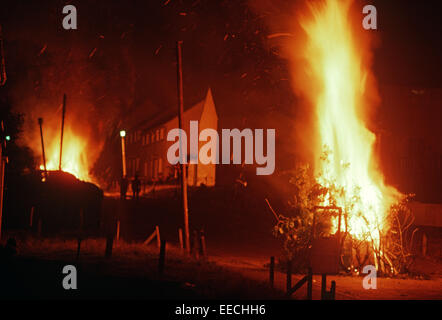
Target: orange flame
x,y
74,157
339,72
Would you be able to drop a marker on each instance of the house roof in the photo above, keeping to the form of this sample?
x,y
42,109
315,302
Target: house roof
x,y
190,112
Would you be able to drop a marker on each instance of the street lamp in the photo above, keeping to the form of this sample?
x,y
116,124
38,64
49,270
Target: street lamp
x,y
123,150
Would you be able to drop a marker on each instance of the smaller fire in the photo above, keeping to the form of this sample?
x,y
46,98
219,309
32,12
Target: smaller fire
x,y
74,156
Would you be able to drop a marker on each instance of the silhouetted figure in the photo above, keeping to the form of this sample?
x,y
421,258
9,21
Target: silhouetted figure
x,y
123,187
136,187
239,193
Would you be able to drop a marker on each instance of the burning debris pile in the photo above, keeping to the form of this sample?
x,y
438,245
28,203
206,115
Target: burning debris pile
x,y
67,154
340,75
66,200
332,73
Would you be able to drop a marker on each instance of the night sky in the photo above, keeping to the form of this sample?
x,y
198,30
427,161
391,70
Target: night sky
x,y
122,58
411,45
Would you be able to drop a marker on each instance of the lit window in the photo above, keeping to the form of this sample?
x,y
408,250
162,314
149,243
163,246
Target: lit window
x,y
161,133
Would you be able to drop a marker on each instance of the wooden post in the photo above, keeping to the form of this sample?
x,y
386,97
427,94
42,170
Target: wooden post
x,y
183,152
118,231
272,272
162,257
203,250
180,236
153,235
289,276
333,290
157,229
323,287
62,130
310,284
40,123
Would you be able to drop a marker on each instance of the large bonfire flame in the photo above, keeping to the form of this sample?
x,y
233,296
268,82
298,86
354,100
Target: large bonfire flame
x,y
339,72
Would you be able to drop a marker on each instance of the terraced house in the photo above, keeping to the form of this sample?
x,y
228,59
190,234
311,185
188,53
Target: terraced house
x,y
147,145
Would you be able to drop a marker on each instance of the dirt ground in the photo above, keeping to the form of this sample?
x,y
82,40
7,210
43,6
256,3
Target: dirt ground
x,y
132,273
347,287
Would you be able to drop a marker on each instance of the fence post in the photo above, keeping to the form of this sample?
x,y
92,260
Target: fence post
x,y
323,287
148,240
310,284
203,244
272,272
158,236
180,236
118,231
333,290
162,257
289,275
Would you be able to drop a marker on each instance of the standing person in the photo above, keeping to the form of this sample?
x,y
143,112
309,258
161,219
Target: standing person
x,y
240,190
123,188
136,187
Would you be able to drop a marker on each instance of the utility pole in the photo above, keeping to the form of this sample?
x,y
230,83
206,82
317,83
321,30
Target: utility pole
x,y
62,129
183,165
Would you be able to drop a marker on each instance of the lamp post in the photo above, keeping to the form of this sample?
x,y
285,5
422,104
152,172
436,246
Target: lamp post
x,y
123,183
123,150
